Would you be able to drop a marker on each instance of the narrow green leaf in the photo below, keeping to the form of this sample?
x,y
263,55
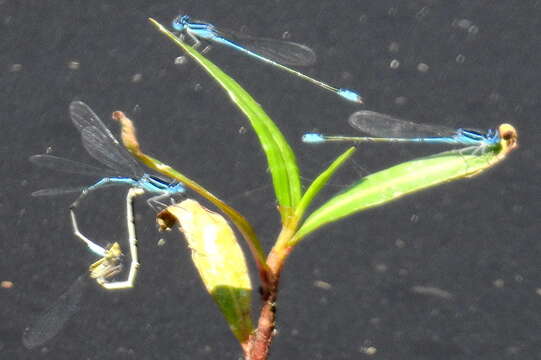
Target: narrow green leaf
x,y
219,260
403,179
280,157
320,182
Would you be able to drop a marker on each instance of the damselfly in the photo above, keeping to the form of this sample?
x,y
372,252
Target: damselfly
x,y
385,128
275,52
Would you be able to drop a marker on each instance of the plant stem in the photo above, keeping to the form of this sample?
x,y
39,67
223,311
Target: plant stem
x,y
262,338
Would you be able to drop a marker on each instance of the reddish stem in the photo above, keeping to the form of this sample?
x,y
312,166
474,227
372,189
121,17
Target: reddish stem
x,y
262,338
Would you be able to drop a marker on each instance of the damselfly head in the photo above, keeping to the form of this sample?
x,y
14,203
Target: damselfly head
x,y
508,136
179,23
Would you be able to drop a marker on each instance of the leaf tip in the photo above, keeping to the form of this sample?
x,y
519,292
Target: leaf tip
x,y
128,132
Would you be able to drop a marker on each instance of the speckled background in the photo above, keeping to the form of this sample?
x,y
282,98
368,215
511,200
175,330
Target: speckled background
x,y
456,63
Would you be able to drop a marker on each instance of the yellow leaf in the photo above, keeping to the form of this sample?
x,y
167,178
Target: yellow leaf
x,y
219,260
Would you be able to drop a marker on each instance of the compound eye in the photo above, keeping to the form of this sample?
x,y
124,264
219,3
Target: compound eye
x,y
178,23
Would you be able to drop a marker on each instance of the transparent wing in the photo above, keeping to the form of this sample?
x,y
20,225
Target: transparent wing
x,y
112,155
58,191
82,117
381,125
51,321
70,166
100,143
283,52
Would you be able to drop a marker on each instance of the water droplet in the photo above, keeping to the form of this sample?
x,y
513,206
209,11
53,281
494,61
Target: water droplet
x,y
181,60
422,67
322,285
15,67
368,350
137,78
74,65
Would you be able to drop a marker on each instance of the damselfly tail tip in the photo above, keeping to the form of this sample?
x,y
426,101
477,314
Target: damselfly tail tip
x,y
351,95
313,138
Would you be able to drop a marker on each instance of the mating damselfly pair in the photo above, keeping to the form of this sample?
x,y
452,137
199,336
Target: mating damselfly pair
x,y
120,169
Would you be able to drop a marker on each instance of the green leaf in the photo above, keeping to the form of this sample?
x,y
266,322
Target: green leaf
x,y
321,181
280,157
219,260
403,179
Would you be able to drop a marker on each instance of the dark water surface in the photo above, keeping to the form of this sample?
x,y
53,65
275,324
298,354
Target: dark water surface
x,y
455,63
